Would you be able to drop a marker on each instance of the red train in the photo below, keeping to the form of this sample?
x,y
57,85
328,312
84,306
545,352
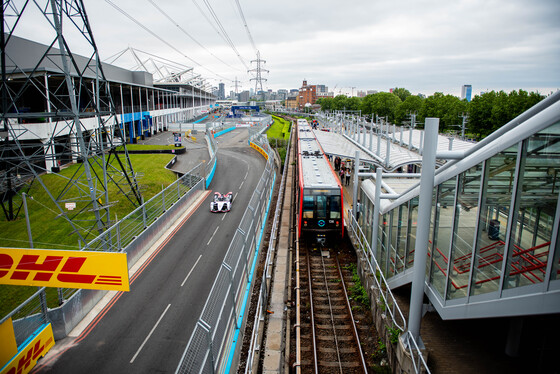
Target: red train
x,y
320,198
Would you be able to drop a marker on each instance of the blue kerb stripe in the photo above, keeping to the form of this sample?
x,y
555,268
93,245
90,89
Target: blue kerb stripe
x,y
248,288
223,132
26,343
202,119
211,175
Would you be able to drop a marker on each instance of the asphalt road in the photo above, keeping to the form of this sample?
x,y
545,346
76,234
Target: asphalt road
x,y
147,329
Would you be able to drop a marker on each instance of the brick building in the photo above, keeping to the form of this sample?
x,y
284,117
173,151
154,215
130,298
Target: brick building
x,y
307,94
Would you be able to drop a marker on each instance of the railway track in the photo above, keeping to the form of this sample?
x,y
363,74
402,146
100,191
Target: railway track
x,y
329,340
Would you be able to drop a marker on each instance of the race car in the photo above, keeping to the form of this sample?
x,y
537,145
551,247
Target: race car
x,y
221,203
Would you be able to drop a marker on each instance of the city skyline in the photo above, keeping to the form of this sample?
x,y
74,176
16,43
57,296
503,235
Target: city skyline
x,y
426,47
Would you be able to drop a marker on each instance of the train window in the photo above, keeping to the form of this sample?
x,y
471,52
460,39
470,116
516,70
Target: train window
x,y
308,206
335,207
321,207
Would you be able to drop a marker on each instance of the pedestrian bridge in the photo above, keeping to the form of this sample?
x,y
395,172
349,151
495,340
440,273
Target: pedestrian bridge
x,y
493,240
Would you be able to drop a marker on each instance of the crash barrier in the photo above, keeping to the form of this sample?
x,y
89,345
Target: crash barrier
x,y
210,167
224,131
266,282
30,338
133,234
201,119
261,125
385,300
217,337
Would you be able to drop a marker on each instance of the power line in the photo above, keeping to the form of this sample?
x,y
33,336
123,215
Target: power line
x,y
224,32
245,24
123,12
187,34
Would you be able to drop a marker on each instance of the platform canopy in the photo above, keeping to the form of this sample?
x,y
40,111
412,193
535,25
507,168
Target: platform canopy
x,y
374,151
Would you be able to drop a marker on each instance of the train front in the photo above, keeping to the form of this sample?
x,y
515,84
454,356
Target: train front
x,y
322,214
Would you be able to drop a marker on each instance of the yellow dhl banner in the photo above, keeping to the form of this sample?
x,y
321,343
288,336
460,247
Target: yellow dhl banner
x,y
27,358
66,269
261,151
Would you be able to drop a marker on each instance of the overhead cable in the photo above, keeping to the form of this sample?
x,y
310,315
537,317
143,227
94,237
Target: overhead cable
x,y
161,39
245,24
224,32
187,34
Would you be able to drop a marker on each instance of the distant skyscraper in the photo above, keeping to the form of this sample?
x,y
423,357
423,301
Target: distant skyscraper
x,y
244,96
466,92
221,91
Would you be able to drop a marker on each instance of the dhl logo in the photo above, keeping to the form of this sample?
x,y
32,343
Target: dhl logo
x,y
69,269
26,359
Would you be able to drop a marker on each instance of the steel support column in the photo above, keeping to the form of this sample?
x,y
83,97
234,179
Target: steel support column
x,y
423,227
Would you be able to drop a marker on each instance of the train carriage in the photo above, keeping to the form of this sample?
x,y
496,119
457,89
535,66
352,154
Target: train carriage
x,y
320,198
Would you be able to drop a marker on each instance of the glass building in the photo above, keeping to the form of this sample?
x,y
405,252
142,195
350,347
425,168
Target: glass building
x,y
493,236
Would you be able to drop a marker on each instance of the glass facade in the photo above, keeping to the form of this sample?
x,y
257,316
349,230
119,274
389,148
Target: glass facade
x,y
492,226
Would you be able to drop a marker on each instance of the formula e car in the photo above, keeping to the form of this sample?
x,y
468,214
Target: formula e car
x,y
221,203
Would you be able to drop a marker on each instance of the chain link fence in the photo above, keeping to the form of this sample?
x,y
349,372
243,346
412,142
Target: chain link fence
x,y
217,334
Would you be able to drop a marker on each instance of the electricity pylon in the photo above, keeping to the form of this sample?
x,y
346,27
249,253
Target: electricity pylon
x,y
258,72
57,110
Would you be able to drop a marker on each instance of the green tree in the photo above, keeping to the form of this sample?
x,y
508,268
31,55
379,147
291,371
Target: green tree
x,y
384,104
447,108
480,114
367,104
501,111
353,103
326,103
339,102
491,110
412,104
402,93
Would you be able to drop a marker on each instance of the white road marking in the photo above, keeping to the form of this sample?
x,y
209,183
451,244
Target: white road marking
x,y
212,237
150,334
224,216
241,184
189,274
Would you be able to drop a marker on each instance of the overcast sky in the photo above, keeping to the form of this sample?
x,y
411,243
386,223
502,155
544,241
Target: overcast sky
x,y
425,46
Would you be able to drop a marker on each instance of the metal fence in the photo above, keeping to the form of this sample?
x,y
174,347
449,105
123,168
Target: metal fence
x,y
33,314
264,292
217,334
29,317
387,301
117,237
127,229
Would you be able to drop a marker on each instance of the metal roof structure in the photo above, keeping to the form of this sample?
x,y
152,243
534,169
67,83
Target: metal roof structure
x,y
492,232
390,147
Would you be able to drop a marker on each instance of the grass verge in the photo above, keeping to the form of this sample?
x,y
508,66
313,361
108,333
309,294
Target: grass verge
x,y
50,232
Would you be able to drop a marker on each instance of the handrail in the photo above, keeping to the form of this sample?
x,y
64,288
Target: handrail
x,y
412,348
381,283
389,300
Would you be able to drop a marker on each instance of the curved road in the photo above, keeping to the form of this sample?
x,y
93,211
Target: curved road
x,y
147,329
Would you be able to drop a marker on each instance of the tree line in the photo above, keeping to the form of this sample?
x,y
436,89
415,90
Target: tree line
x,y
486,112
